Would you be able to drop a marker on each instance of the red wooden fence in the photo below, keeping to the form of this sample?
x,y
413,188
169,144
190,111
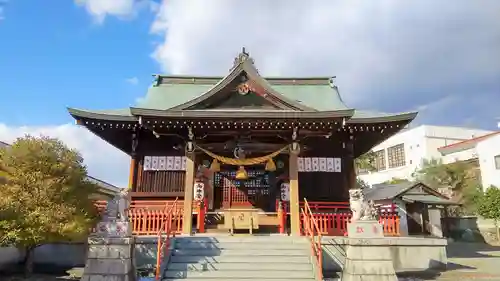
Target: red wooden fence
x,y
331,217
147,216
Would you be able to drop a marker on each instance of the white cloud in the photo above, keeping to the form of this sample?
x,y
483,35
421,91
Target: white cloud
x,y
2,9
384,47
100,9
132,80
388,55
103,160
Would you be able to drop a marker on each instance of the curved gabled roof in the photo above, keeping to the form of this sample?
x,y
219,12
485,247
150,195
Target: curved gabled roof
x,y
313,96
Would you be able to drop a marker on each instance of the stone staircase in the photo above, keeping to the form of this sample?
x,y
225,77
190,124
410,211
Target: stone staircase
x,y
240,258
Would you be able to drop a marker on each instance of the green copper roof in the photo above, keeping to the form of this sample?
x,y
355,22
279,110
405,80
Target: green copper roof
x,y
166,96
363,116
319,97
174,94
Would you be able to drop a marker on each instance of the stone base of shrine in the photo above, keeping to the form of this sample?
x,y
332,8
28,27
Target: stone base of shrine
x,y
366,258
110,259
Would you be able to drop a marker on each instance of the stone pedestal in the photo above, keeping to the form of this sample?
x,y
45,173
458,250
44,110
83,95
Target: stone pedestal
x,y
110,259
113,228
367,260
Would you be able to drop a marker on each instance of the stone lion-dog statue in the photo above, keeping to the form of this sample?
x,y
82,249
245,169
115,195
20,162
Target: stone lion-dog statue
x,y
361,208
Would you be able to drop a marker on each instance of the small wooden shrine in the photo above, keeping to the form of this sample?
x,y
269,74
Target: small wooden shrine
x,y
242,140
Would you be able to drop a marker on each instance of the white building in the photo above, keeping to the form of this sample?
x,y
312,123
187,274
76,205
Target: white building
x,y
403,154
486,149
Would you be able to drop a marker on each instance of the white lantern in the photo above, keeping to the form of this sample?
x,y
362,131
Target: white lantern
x,y
199,191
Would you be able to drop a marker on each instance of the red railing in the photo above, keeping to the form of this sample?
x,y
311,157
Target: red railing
x,y
332,217
163,234
146,216
390,224
312,230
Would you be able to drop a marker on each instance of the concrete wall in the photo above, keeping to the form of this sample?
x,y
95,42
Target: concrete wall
x,y
461,224
57,255
487,150
463,155
69,255
10,255
420,143
408,253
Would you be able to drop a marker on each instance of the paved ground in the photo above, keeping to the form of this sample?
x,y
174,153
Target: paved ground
x,y
466,262
470,261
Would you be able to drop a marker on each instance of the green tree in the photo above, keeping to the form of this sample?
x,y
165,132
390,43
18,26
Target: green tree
x,y
489,207
396,181
461,178
361,184
366,162
44,195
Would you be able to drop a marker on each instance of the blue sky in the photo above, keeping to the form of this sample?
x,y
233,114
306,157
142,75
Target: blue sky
x,y
440,58
54,55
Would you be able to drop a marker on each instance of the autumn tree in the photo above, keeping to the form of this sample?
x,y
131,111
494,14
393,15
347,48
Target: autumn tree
x,y
489,207
44,195
461,178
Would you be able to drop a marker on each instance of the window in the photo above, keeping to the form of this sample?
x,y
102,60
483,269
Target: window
x,y
497,162
380,160
396,156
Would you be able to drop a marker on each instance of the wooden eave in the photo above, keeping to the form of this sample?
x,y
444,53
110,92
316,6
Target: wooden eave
x,y
79,114
242,114
252,74
403,117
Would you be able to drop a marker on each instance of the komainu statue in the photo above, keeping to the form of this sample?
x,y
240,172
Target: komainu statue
x,y
360,207
117,207
123,205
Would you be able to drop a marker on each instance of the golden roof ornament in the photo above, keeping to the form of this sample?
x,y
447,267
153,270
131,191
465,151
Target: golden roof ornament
x,y
331,82
156,80
243,56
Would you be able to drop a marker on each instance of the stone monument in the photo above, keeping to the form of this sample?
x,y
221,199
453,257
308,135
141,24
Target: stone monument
x,y
368,257
111,248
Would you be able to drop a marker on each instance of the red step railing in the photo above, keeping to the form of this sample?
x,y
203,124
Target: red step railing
x,y
313,232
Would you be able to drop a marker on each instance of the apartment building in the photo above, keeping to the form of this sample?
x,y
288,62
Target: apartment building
x,y
485,149
404,153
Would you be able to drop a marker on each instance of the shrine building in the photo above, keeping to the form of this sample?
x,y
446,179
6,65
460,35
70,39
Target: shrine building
x,y
251,140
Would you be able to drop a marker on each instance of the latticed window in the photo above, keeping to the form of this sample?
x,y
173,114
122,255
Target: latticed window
x,y
396,156
497,162
380,160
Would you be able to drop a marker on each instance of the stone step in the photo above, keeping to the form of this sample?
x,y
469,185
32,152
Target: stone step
x,y
223,238
242,258
240,252
207,266
236,245
233,274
